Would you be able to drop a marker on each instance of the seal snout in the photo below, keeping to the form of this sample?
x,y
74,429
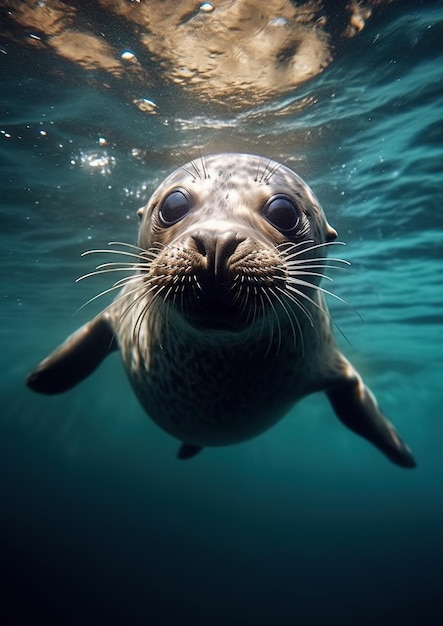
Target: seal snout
x,y
216,249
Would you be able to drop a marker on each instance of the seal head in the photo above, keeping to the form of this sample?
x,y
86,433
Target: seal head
x,y
223,229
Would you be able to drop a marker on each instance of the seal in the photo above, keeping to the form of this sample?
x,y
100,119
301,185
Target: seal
x,y
221,320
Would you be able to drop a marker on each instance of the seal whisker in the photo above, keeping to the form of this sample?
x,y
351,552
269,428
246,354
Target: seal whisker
x,y
182,293
196,169
277,321
294,267
169,309
296,281
289,256
143,254
241,297
106,291
191,163
127,245
180,290
250,307
253,317
253,311
161,311
298,292
245,290
318,259
325,312
141,294
304,283
274,169
138,326
238,290
304,272
126,265
153,304
204,168
283,247
263,323
299,304
269,161
121,252
251,320
305,244
126,294
193,176
137,290
197,284
288,315
135,328
126,280
258,170
99,272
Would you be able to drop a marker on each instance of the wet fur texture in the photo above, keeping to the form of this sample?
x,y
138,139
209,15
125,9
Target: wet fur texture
x,y
221,319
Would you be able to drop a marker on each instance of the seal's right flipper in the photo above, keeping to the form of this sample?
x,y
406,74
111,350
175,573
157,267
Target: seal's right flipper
x,y
355,405
188,450
75,358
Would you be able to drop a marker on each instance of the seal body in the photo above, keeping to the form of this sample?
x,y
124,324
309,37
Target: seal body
x,y
221,321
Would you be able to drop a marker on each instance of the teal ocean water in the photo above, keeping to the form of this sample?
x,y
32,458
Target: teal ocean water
x,y
306,524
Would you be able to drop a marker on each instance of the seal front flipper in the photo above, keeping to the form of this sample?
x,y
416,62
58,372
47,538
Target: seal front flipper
x,y
75,358
188,450
355,405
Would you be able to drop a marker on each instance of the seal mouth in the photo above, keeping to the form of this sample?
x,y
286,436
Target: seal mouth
x,y
216,304
215,315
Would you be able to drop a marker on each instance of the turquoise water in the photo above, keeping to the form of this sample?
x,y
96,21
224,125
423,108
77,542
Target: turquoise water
x,y
307,524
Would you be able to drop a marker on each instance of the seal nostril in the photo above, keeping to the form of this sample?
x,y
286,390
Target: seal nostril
x,y
216,248
200,245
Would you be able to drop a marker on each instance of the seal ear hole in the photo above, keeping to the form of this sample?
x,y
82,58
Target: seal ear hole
x,y
174,207
331,233
282,212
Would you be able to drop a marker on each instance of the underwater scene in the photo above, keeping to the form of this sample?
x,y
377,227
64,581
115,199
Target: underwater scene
x,y
306,523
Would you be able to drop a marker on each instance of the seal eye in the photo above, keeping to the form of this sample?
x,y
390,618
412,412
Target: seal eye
x,y
174,207
281,212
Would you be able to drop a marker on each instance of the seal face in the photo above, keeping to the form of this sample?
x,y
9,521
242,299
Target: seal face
x,y
223,237
222,323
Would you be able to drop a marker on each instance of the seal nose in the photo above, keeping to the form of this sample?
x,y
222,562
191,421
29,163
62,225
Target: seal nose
x,y
216,248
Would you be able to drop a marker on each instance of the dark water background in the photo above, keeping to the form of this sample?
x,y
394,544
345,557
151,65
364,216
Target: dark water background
x,y
307,524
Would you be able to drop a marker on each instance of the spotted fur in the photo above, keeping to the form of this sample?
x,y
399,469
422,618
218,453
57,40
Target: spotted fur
x,y
221,322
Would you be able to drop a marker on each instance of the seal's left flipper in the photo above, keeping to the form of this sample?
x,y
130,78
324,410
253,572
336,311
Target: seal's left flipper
x,y
356,407
75,358
188,450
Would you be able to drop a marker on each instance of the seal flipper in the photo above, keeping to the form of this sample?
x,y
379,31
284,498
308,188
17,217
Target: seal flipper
x,y
76,358
188,450
356,406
